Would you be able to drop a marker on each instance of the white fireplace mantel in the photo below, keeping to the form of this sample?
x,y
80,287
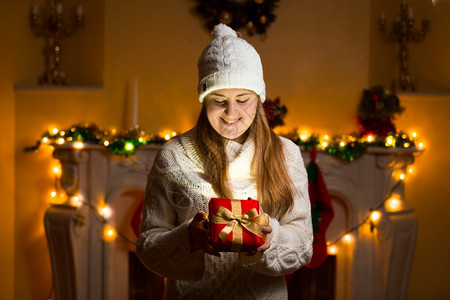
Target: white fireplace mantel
x,y
374,266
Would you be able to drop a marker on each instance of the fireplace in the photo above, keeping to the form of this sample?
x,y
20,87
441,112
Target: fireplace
x,y
374,265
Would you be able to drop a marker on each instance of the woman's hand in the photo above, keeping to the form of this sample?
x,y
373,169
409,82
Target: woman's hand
x,y
266,245
199,235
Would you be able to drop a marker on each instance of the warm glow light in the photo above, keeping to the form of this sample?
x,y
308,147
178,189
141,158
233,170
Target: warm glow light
x,y
394,203
326,137
62,133
375,216
113,131
105,211
342,144
60,141
57,198
174,133
420,145
370,138
347,238
141,139
129,146
324,144
78,145
109,233
389,141
45,140
106,143
406,145
332,250
411,170
167,137
401,176
414,134
76,200
54,130
57,170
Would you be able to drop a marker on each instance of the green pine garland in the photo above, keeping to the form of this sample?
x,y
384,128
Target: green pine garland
x,y
127,142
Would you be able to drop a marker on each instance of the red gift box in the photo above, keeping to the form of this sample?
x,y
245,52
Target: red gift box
x,y
235,224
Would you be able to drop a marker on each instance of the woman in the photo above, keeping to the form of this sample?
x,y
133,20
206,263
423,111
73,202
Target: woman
x,y
230,153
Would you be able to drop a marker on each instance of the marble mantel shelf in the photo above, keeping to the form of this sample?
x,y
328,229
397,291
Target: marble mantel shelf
x,y
375,266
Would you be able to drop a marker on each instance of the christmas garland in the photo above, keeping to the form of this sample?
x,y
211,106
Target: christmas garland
x,y
376,109
254,15
127,142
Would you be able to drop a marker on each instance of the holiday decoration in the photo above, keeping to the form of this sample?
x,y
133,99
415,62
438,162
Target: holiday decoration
x,y
121,143
235,224
274,112
321,211
376,111
254,15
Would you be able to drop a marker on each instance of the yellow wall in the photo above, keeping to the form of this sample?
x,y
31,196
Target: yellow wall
x,y
317,57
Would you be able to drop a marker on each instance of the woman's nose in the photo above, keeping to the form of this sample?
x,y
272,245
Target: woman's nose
x,y
231,108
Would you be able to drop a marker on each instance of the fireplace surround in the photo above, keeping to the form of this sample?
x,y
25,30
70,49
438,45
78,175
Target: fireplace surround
x,y
374,265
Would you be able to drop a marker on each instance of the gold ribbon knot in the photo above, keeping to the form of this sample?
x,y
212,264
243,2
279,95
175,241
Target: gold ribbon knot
x,y
235,222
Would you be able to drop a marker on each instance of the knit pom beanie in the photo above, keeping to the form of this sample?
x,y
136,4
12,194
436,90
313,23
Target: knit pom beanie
x,y
229,62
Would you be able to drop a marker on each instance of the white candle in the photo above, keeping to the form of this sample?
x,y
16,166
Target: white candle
x,y
59,8
79,10
34,10
410,13
135,103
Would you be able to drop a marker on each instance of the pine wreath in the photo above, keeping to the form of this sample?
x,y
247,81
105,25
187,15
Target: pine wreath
x,y
255,15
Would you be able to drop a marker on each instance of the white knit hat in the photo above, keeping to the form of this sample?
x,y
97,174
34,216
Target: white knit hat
x,y
229,62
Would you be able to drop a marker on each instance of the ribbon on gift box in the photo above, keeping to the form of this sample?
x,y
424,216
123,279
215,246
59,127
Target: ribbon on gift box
x,y
235,221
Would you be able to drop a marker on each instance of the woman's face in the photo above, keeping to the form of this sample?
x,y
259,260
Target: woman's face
x,y
231,112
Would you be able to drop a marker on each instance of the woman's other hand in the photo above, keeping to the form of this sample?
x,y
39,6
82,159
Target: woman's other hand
x,y
199,235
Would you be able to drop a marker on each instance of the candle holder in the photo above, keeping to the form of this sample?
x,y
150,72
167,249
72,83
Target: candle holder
x,y
404,32
53,31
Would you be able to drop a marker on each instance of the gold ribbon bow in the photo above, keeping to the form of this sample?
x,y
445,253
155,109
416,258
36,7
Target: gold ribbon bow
x,y
235,221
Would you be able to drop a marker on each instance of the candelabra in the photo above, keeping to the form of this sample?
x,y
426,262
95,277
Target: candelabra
x,y
53,31
404,32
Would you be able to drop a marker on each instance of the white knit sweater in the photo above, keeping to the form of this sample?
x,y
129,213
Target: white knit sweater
x,y
177,190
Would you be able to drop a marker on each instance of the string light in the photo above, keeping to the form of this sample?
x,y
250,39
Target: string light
x,y
394,203
327,143
375,216
78,145
348,238
105,212
57,170
109,233
332,250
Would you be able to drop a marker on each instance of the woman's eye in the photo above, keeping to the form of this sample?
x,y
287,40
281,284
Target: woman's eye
x,y
242,101
220,102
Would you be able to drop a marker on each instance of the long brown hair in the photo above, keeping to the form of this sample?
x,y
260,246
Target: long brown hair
x,y
273,183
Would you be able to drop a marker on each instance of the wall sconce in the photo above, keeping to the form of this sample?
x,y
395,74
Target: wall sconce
x,y
53,31
404,32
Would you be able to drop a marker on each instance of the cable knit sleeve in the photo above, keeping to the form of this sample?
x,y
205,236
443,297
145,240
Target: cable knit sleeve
x,y
163,245
291,238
